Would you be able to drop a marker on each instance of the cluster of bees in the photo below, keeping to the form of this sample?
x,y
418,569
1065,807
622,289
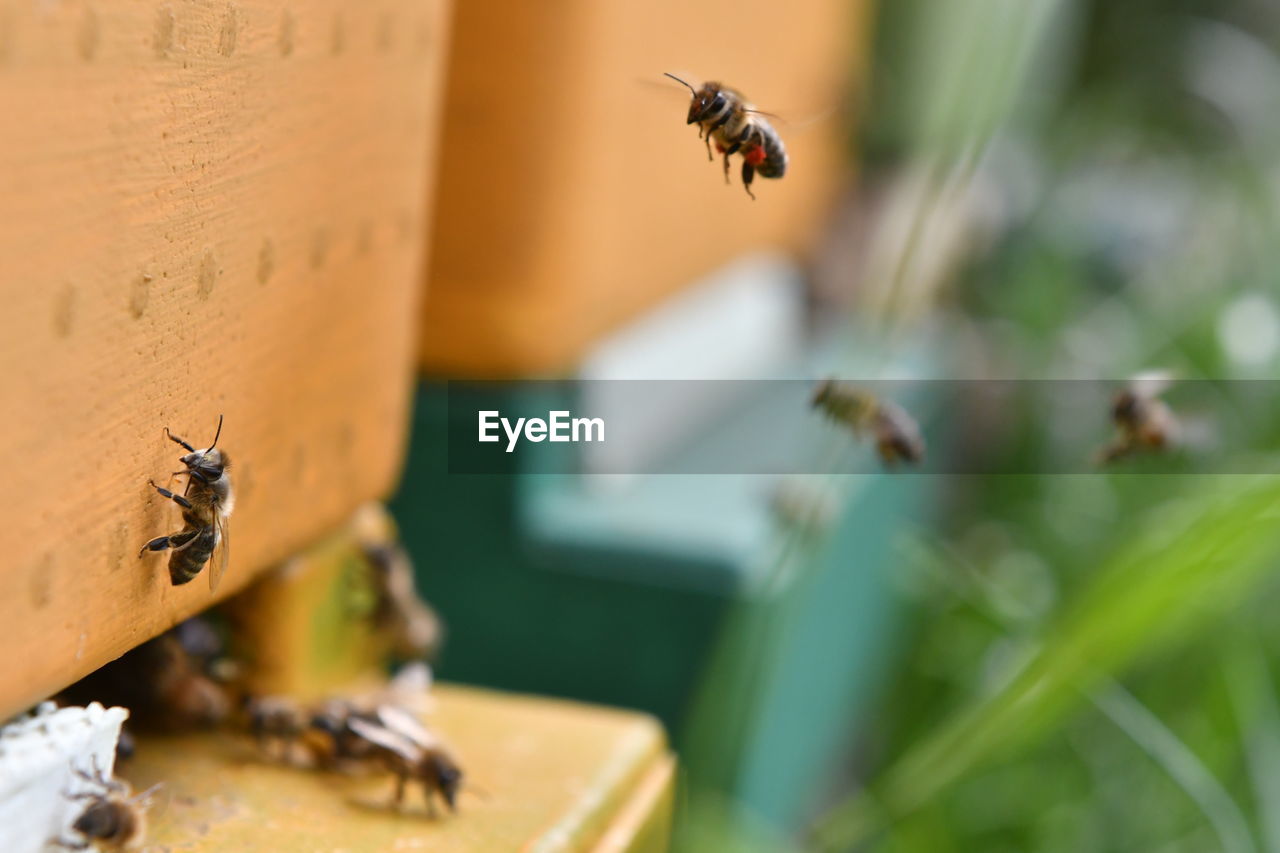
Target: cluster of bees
x,y
1143,422
174,687
182,680
344,734
337,734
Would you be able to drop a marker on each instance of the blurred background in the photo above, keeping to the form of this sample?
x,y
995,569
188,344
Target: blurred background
x,y
991,190
347,228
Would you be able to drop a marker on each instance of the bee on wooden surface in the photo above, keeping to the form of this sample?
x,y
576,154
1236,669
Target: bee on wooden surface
x,y
1144,422
112,819
411,753
330,739
206,505
724,116
896,434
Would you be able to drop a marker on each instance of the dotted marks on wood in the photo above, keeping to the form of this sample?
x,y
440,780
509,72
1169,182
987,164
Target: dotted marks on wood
x,y
287,34
227,37
64,311
87,35
209,273
338,35
319,248
40,582
139,295
266,261
162,37
386,33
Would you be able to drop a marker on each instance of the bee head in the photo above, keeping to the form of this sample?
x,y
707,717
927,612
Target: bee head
x,y
207,465
449,779
708,103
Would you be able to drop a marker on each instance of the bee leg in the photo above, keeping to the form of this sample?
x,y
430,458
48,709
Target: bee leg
x,y
71,845
177,542
160,543
401,781
178,499
174,438
429,792
732,149
708,141
748,174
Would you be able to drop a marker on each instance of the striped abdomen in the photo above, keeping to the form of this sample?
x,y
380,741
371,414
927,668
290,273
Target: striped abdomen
x,y
185,564
774,164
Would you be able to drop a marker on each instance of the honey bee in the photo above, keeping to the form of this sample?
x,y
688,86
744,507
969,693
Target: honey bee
x,y
736,126
206,505
331,740
896,434
411,624
411,753
1144,422
112,818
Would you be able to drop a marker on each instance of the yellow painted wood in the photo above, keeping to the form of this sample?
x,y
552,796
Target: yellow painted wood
x,y
308,626
644,824
206,206
543,775
608,201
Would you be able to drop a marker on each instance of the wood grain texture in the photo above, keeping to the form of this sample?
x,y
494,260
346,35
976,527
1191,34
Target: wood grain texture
x,y
609,202
205,208
544,776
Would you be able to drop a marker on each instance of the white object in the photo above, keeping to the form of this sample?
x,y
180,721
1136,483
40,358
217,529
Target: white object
x,y
37,755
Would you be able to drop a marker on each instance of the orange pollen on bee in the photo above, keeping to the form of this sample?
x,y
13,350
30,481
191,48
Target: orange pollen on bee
x,y
754,155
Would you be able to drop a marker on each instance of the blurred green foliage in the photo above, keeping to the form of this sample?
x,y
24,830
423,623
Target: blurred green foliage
x,y
1092,665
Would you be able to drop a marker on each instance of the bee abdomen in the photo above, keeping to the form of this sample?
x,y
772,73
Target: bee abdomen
x,y
775,154
184,565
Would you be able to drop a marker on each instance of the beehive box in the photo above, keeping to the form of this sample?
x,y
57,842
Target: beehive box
x,y
205,208
575,196
540,775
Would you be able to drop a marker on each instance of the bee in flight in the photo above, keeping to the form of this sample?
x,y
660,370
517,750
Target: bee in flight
x,y
206,504
896,433
737,127
1143,421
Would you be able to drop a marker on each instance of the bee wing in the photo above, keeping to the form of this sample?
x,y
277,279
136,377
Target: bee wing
x,y
1151,383
385,738
221,553
401,722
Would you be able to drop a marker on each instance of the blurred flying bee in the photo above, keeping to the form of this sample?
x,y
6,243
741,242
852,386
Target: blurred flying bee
x,y
411,753
1144,422
724,115
206,504
896,434
112,819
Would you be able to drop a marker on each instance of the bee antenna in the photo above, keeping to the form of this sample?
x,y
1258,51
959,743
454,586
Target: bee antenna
x,y
216,434
681,82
